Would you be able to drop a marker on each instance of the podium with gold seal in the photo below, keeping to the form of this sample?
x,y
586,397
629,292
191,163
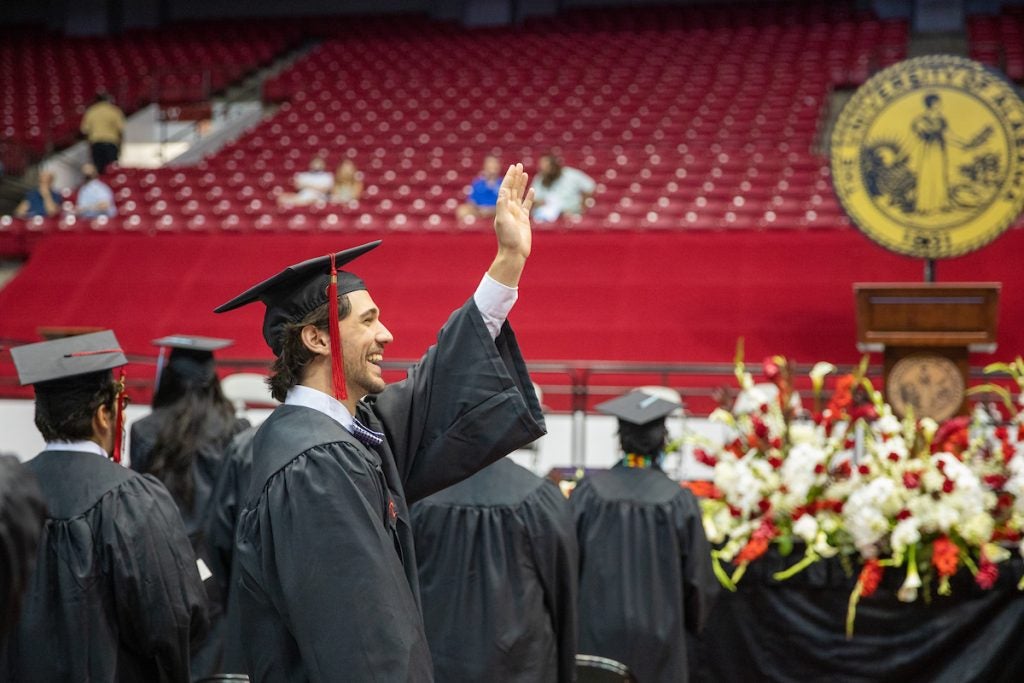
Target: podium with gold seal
x,y
928,161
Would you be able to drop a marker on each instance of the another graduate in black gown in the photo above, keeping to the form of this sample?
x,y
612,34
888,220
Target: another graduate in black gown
x,y
182,443
327,567
229,495
116,594
22,512
497,566
645,564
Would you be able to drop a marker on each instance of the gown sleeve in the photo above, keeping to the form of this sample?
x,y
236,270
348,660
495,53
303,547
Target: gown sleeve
x,y
159,597
468,402
700,587
346,605
549,523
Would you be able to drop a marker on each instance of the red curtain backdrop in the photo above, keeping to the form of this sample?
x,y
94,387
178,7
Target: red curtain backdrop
x,y
591,296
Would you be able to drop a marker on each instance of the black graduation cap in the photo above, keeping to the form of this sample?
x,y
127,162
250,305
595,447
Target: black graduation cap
x,y
297,290
190,356
638,408
63,359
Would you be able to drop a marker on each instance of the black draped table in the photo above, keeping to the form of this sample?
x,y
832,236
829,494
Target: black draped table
x,y
795,630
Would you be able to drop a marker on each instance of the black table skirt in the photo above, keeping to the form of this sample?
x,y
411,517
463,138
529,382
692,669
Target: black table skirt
x,y
795,630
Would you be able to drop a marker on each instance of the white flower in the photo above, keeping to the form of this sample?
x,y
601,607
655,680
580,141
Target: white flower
x,y
888,425
798,469
722,415
928,428
803,433
904,534
977,529
908,591
806,528
822,547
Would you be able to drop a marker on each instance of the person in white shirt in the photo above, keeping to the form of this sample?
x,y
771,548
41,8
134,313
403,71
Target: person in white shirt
x,y
95,198
559,190
313,186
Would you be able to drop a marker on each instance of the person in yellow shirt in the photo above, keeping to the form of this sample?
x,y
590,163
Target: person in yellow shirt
x,y
103,127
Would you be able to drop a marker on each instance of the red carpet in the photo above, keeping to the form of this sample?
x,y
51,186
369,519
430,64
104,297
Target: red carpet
x,y
673,297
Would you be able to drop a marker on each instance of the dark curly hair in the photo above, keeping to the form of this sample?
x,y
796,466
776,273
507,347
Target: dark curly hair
x,y
287,369
65,407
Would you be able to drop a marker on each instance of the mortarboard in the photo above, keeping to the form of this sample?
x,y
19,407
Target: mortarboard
x,y
190,356
299,289
66,358
62,364
638,408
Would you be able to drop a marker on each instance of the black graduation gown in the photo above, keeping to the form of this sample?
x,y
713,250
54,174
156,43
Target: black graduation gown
x,y
229,496
645,571
497,567
205,466
115,595
327,569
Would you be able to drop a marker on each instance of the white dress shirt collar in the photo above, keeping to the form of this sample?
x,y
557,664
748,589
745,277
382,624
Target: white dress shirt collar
x,y
308,397
76,446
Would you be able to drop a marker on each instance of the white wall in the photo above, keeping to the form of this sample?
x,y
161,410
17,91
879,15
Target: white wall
x,y
19,436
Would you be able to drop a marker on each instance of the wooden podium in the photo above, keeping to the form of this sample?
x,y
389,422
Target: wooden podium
x,y
925,332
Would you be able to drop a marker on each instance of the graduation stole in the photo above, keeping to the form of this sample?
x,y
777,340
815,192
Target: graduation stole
x,y
640,462
120,402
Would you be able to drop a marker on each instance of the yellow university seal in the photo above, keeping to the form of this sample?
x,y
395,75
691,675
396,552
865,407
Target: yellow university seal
x,y
928,156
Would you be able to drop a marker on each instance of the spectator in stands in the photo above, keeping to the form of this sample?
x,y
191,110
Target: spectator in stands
x,y
347,185
40,201
95,198
483,193
559,190
313,186
103,127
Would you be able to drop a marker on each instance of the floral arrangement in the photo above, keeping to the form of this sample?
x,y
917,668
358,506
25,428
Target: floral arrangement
x,y
850,479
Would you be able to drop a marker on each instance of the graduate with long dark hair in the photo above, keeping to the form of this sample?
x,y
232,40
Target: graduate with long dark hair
x,y
182,443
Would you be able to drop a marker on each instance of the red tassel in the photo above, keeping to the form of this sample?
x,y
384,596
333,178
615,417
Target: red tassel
x,y
119,406
337,367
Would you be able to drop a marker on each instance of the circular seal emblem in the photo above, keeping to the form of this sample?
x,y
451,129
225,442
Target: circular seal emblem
x,y
928,156
928,383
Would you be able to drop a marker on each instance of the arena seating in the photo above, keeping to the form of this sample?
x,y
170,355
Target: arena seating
x,y
689,118
998,41
48,79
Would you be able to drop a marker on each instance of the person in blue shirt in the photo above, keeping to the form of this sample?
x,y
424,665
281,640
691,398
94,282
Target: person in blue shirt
x,y
40,201
483,193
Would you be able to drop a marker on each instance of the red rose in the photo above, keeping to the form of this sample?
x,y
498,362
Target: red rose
x,y
894,457
903,514
948,486
864,470
819,469
911,480
995,481
775,462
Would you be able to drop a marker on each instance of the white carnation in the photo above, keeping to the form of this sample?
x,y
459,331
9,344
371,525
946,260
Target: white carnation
x,y
806,528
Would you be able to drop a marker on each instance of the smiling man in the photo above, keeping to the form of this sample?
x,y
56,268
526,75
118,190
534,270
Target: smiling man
x,y
327,580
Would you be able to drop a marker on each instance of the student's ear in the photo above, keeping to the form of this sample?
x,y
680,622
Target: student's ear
x,y
103,427
316,340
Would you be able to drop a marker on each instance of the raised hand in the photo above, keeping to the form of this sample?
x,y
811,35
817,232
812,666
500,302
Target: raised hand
x,y
512,214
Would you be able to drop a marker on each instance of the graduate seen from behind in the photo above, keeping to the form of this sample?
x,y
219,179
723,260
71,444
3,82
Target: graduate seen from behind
x,y
497,566
182,443
116,594
645,564
327,582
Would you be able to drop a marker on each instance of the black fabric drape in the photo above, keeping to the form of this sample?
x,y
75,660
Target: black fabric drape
x,y
794,630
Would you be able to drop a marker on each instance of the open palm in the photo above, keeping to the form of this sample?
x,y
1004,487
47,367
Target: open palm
x,y
512,213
